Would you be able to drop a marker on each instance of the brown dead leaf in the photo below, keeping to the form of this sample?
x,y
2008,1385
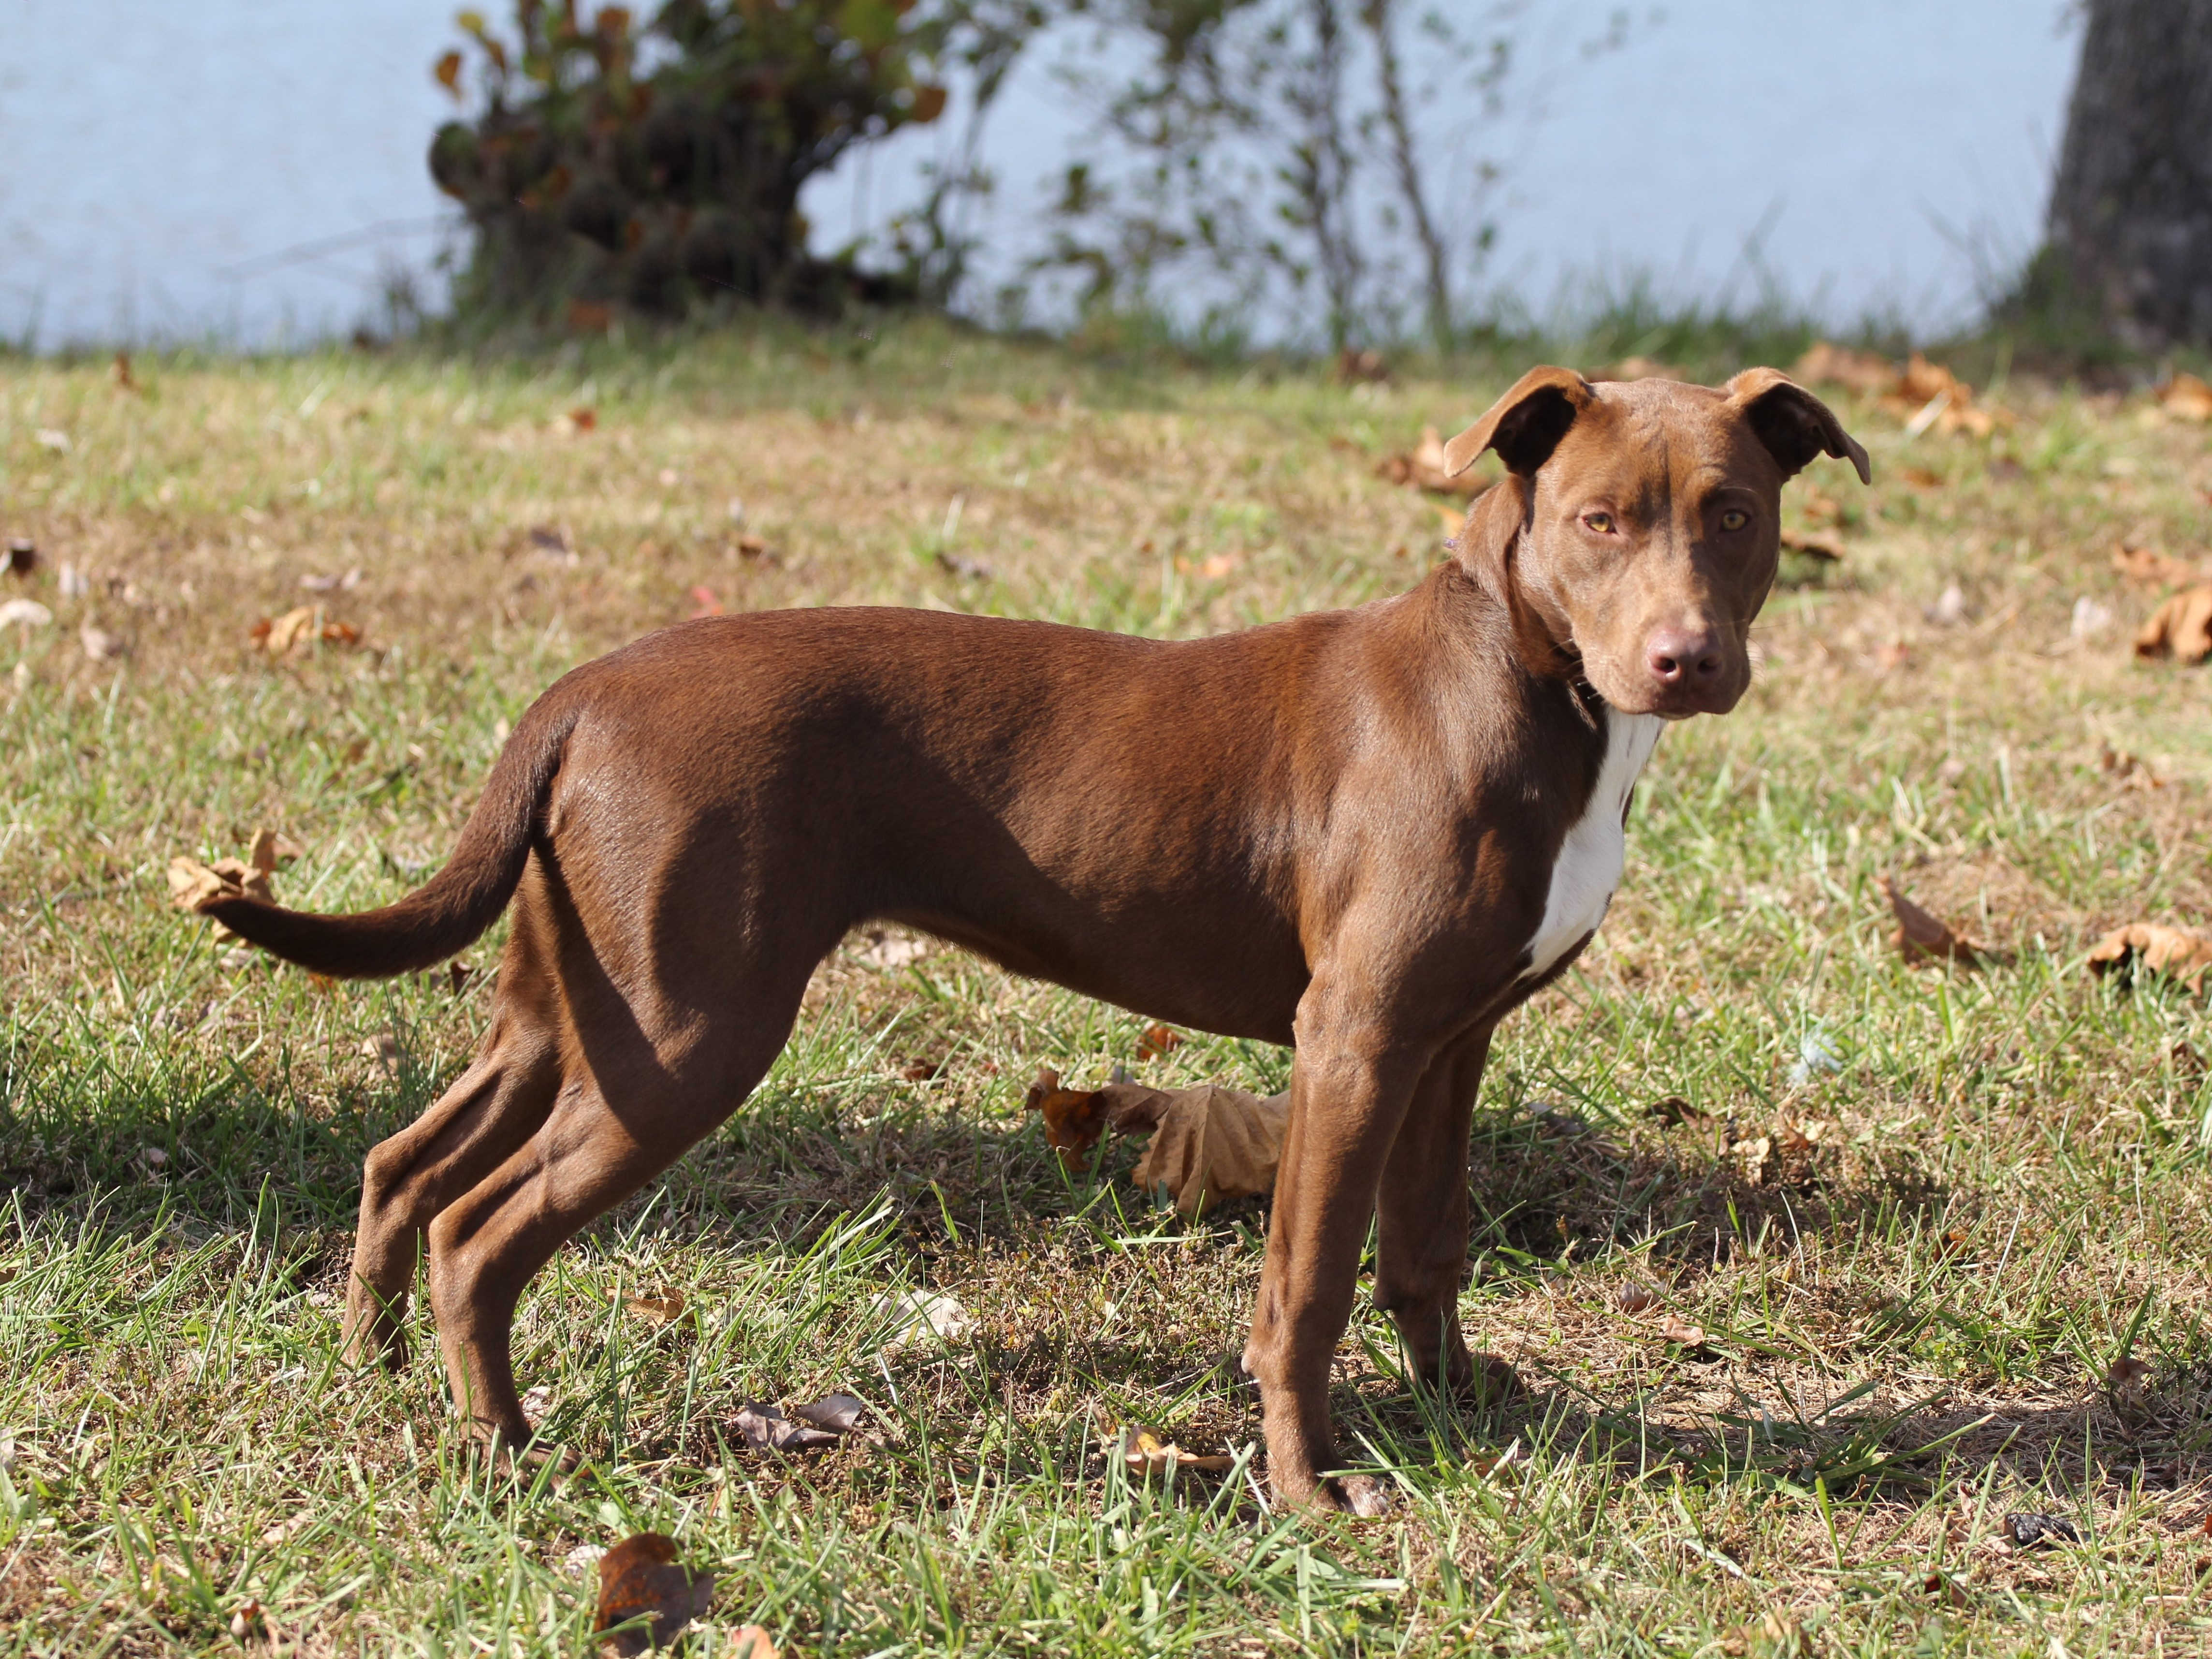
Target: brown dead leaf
x,y
769,1429
1159,1039
120,372
1921,936
1355,368
2185,397
1674,1109
1929,394
580,421
1145,1453
1812,548
1828,364
1676,1329
1921,477
2180,951
294,631
752,1641
1424,468
2150,567
640,1578
1074,1119
2182,628
447,70
1634,1298
2127,1375
2130,772
1213,1144
664,1307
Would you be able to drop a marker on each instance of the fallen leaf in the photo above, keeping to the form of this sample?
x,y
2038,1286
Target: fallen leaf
x,y
1921,936
577,421
1928,394
119,371
917,1314
384,1049
1145,1453
1074,1119
1921,477
640,1578
332,584
2180,951
1642,368
2151,567
25,613
1424,467
922,1070
268,849
1674,1109
1812,548
1633,1298
1213,1144
1354,368
2183,627
2185,396
2030,1529
1827,364
663,1309
23,556
960,565
751,545
1159,1039
246,1617
297,629
769,1429
448,71
751,1642
1674,1329
2127,1375
839,1413
2131,771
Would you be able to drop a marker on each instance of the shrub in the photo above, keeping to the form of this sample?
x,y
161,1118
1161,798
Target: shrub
x,y
654,166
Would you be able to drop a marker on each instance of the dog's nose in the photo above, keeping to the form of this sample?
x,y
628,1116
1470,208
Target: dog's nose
x,y
1678,657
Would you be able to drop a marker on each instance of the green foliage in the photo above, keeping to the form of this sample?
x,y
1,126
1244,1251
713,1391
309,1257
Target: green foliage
x,y
654,167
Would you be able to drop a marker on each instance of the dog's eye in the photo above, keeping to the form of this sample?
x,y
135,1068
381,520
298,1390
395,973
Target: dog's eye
x,y
1601,523
1735,519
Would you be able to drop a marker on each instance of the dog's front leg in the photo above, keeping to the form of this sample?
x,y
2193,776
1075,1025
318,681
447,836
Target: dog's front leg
x,y
1349,1089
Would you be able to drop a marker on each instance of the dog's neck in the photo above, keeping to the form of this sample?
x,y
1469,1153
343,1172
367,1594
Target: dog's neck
x,y
1490,548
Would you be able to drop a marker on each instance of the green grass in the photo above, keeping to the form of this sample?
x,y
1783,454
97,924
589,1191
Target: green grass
x,y
1909,1314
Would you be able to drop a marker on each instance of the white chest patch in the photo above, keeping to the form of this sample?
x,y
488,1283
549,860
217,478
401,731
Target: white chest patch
x,y
1590,860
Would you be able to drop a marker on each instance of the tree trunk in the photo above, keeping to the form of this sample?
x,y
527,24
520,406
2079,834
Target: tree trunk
x,y
2131,212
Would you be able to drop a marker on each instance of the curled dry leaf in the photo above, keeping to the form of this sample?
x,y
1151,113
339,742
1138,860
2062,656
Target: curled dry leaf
x,y
1424,468
2177,950
2182,628
1812,547
1633,1298
839,1413
1213,1144
1922,937
640,1579
1674,1110
1676,1329
1828,364
919,1314
1145,1453
663,1307
2127,1375
768,1428
297,629
1209,1143
2027,1530
2149,567
1159,1039
1928,394
2186,397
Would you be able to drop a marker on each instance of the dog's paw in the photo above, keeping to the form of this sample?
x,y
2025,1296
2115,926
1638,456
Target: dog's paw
x,y
1362,1495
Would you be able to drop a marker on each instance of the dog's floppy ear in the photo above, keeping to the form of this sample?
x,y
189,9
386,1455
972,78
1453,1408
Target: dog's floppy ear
x,y
1793,424
1526,424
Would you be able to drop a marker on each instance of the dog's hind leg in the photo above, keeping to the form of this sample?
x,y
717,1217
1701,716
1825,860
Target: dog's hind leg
x,y
493,1107
617,1122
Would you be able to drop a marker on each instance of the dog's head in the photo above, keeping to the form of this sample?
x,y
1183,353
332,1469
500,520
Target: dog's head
x,y
1640,522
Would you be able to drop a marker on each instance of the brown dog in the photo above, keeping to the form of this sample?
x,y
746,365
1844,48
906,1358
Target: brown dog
x,y
1368,832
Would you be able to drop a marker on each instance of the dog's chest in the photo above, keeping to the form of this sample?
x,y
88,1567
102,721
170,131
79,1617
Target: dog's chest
x,y
1588,868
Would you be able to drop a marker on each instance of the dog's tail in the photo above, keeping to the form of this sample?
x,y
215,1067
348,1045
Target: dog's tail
x,y
456,905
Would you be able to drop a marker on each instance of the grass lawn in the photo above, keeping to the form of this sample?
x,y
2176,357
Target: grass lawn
x,y
1917,1214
